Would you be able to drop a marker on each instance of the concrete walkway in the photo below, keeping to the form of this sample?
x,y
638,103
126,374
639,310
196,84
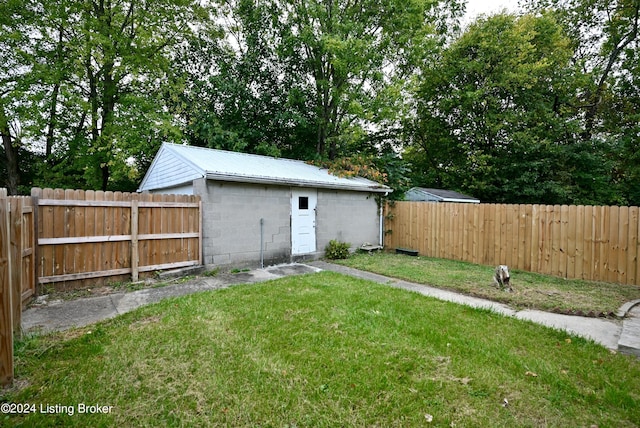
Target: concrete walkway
x,y
61,315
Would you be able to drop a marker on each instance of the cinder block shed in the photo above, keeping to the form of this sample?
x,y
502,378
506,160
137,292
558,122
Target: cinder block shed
x,y
264,209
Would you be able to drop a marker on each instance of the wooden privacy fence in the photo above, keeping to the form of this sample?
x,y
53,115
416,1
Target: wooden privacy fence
x,y
6,294
17,274
587,242
87,235
72,238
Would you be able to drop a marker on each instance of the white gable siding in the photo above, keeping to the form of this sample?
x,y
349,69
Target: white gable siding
x,y
169,170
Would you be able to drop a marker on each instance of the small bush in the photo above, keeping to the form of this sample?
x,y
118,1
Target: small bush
x,y
337,250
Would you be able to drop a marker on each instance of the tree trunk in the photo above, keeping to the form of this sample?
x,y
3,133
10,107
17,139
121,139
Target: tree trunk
x,y
52,122
11,153
322,137
104,169
596,99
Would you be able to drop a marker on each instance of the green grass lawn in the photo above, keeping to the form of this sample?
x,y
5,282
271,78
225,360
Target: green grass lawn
x,y
322,350
531,290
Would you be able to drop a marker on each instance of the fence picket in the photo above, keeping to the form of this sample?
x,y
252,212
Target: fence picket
x,y
6,318
6,296
623,242
15,241
577,243
599,244
478,250
610,250
632,253
69,227
433,234
471,242
525,238
494,239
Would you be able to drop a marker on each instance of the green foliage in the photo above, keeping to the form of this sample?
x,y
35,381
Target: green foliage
x,y
247,103
496,117
82,82
308,78
212,273
337,250
387,169
354,166
540,108
342,50
605,38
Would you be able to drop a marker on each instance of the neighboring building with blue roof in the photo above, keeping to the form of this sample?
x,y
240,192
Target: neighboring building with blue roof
x,y
423,194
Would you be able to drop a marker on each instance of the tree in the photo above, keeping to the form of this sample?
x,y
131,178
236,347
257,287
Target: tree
x,y
234,93
88,91
356,57
125,54
313,79
622,122
495,117
12,81
606,36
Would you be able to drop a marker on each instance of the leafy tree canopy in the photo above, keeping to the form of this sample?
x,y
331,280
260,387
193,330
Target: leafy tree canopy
x,y
497,118
542,107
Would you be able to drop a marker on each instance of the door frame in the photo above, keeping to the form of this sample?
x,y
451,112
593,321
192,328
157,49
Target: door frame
x,y
304,203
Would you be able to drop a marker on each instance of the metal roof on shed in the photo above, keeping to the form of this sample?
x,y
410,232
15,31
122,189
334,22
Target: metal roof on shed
x,y
176,165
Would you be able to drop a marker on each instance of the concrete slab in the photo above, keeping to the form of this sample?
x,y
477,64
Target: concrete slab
x,y
57,316
622,311
291,269
68,314
630,336
603,331
425,290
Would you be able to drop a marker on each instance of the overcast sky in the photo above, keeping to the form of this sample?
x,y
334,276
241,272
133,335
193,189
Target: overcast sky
x,y
476,7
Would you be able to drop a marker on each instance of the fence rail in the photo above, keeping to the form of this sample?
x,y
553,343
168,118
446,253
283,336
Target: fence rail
x,y
586,242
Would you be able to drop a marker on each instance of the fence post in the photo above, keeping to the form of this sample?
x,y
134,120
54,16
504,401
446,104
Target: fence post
x,y
6,303
35,197
15,243
135,260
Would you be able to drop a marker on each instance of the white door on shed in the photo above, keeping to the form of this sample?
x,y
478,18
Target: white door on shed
x,y
303,221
